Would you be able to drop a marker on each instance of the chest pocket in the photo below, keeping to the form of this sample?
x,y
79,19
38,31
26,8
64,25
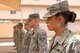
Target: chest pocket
x,y
57,49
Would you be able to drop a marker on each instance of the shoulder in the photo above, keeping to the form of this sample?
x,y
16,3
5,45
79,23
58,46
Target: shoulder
x,y
74,42
41,33
40,30
22,31
74,39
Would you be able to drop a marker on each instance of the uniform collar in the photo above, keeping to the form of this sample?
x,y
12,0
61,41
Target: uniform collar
x,y
65,34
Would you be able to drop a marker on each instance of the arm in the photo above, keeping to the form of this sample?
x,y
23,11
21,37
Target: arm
x,y
74,47
42,42
77,47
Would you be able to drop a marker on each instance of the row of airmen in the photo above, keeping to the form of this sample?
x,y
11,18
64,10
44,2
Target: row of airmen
x,y
35,39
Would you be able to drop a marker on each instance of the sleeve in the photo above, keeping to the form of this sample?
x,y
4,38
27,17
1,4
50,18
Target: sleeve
x,y
42,42
74,47
22,34
77,47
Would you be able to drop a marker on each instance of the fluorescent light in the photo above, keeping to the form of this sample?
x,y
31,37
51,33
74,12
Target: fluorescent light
x,y
7,44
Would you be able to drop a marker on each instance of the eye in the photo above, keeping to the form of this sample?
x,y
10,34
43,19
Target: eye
x,y
48,18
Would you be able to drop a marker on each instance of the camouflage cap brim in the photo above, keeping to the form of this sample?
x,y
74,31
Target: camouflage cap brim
x,y
56,8
33,16
48,14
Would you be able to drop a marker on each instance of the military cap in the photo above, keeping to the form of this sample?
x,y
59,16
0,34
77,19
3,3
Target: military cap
x,y
56,8
20,24
34,16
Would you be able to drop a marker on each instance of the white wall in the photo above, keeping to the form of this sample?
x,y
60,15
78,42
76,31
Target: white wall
x,y
39,2
76,10
48,2
7,15
26,10
74,26
74,2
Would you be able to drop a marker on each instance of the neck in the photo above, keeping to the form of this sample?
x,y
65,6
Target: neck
x,y
59,31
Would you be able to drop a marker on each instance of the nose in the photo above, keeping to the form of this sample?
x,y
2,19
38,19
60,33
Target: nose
x,y
46,22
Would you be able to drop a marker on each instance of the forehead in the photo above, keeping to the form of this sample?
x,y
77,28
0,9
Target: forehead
x,y
30,20
27,23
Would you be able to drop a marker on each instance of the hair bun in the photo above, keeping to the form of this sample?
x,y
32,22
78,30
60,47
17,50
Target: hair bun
x,y
72,17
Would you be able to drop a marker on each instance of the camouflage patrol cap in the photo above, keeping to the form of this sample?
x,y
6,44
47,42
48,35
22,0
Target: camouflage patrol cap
x,y
56,8
20,24
34,16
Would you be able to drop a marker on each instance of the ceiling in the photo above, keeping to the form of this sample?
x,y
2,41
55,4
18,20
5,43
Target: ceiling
x,y
10,4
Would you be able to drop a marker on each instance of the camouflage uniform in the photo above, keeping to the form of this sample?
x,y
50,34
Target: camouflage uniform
x,y
38,42
66,43
26,42
21,34
15,35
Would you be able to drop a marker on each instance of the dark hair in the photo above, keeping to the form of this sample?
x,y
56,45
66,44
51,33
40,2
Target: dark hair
x,y
20,24
26,24
68,16
34,16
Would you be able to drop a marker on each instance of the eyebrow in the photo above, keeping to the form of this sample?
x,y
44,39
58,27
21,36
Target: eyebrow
x,y
48,18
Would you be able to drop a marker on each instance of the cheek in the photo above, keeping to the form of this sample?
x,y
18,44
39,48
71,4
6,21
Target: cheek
x,y
52,25
31,23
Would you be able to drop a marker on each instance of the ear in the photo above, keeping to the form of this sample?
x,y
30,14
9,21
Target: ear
x,y
60,19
